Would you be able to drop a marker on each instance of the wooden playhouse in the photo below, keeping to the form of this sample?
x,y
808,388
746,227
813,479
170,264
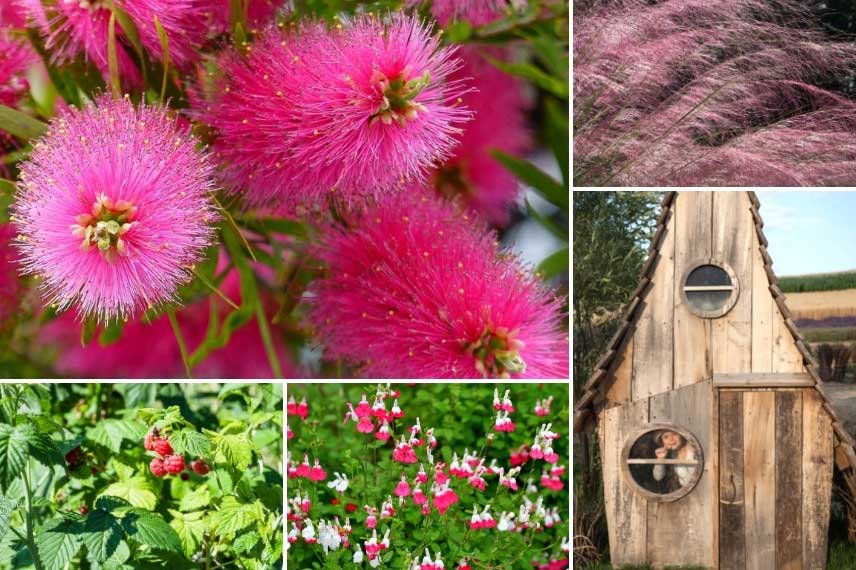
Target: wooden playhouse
x,y
717,441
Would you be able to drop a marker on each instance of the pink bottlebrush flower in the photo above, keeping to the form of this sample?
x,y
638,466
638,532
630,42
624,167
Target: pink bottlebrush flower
x,y
259,13
353,113
113,207
73,29
130,357
476,12
10,285
403,488
698,93
382,432
403,453
16,56
365,425
415,290
12,15
499,107
317,473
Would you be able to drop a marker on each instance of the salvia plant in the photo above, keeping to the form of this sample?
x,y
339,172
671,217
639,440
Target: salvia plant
x,y
427,477
697,93
271,188
132,477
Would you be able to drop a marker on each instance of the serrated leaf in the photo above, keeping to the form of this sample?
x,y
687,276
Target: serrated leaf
x,y
58,542
7,506
236,450
14,452
101,535
109,503
135,490
190,442
190,528
198,499
234,516
150,529
20,124
111,432
42,448
246,542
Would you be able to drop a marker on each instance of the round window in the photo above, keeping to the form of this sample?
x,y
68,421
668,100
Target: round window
x,y
662,462
710,290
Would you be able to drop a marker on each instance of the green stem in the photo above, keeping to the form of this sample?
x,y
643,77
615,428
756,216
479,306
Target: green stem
x,y
273,359
28,504
179,338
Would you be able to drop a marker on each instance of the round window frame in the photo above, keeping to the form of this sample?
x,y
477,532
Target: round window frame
x,y
729,304
650,495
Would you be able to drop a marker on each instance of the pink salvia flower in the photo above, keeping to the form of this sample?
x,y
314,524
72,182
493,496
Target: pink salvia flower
x,y
365,425
396,412
499,122
113,207
363,409
419,496
303,409
403,488
304,469
317,473
421,476
383,432
355,113
415,290
403,452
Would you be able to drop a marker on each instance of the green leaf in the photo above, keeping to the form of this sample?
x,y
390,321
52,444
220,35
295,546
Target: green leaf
x,y
547,223
112,431
164,43
554,264
108,503
87,331
556,127
58,541
136,490
554,85
42,448
198,499
236,450
128,27
190,528
234,516
101,534
20,124
112,57
190,442
7,506
245,543
14,452
533,176
458,31
111,333
150,529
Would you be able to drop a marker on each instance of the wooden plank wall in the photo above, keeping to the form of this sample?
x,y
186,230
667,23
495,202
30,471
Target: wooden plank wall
x,y
816,480
732,538
759,479
789,491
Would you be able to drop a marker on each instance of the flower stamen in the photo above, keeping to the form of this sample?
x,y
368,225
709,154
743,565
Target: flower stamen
x,y
497,353
105,226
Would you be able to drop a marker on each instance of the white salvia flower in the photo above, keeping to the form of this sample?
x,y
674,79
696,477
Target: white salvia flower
x,y
308,530
495,397
427,558
358,555
328,536
340,483
506,522
375,562
438,562
385,541
566,546
430,455
294,533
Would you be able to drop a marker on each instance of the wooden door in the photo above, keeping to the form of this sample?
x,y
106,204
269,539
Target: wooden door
x,y
775,477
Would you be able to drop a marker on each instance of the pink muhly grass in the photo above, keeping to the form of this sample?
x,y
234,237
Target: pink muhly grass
x,y
499,108
113,207
690,92
352,112
80,28
415,289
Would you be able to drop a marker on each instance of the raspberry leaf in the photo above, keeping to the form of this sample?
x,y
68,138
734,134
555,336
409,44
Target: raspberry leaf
x,y
150,529
58,541
111,432
136,490
7,507
190,528
102,534
14,452
190,442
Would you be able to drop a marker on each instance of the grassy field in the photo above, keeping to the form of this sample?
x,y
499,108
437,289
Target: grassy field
x,y
818,282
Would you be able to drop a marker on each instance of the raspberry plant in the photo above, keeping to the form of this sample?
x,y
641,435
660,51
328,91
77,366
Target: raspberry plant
x,y
78,489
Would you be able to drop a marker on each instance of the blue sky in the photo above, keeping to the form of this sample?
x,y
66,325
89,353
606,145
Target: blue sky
x,y
810,231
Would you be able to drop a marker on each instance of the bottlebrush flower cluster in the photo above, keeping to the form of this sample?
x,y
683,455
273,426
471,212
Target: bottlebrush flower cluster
x,y
227,184
113,227
407,485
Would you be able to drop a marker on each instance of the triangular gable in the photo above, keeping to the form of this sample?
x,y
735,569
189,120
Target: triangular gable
x,y
757,335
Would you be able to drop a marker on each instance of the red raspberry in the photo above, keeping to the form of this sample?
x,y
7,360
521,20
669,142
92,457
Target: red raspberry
x,y
157,467
161,446
200,467
150,439
174,464
74,458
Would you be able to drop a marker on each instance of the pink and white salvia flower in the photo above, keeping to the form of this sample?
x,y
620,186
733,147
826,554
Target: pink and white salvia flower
x,y
371,518
304,469
506,522
363,409
403,488
503,422
383,432
418,496
509,479
403,452
396,412
421,476
432,441
440,475
379,408
444,497
503,405
542,407
308,532
557,471
387,511
317,473
464,564
477,482
301,409
365,425
294,533
358,555
114,226
482,520
289,433
429,564
355,112
414,290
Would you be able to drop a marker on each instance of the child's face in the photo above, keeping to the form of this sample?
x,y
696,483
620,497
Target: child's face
x,y
671,440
